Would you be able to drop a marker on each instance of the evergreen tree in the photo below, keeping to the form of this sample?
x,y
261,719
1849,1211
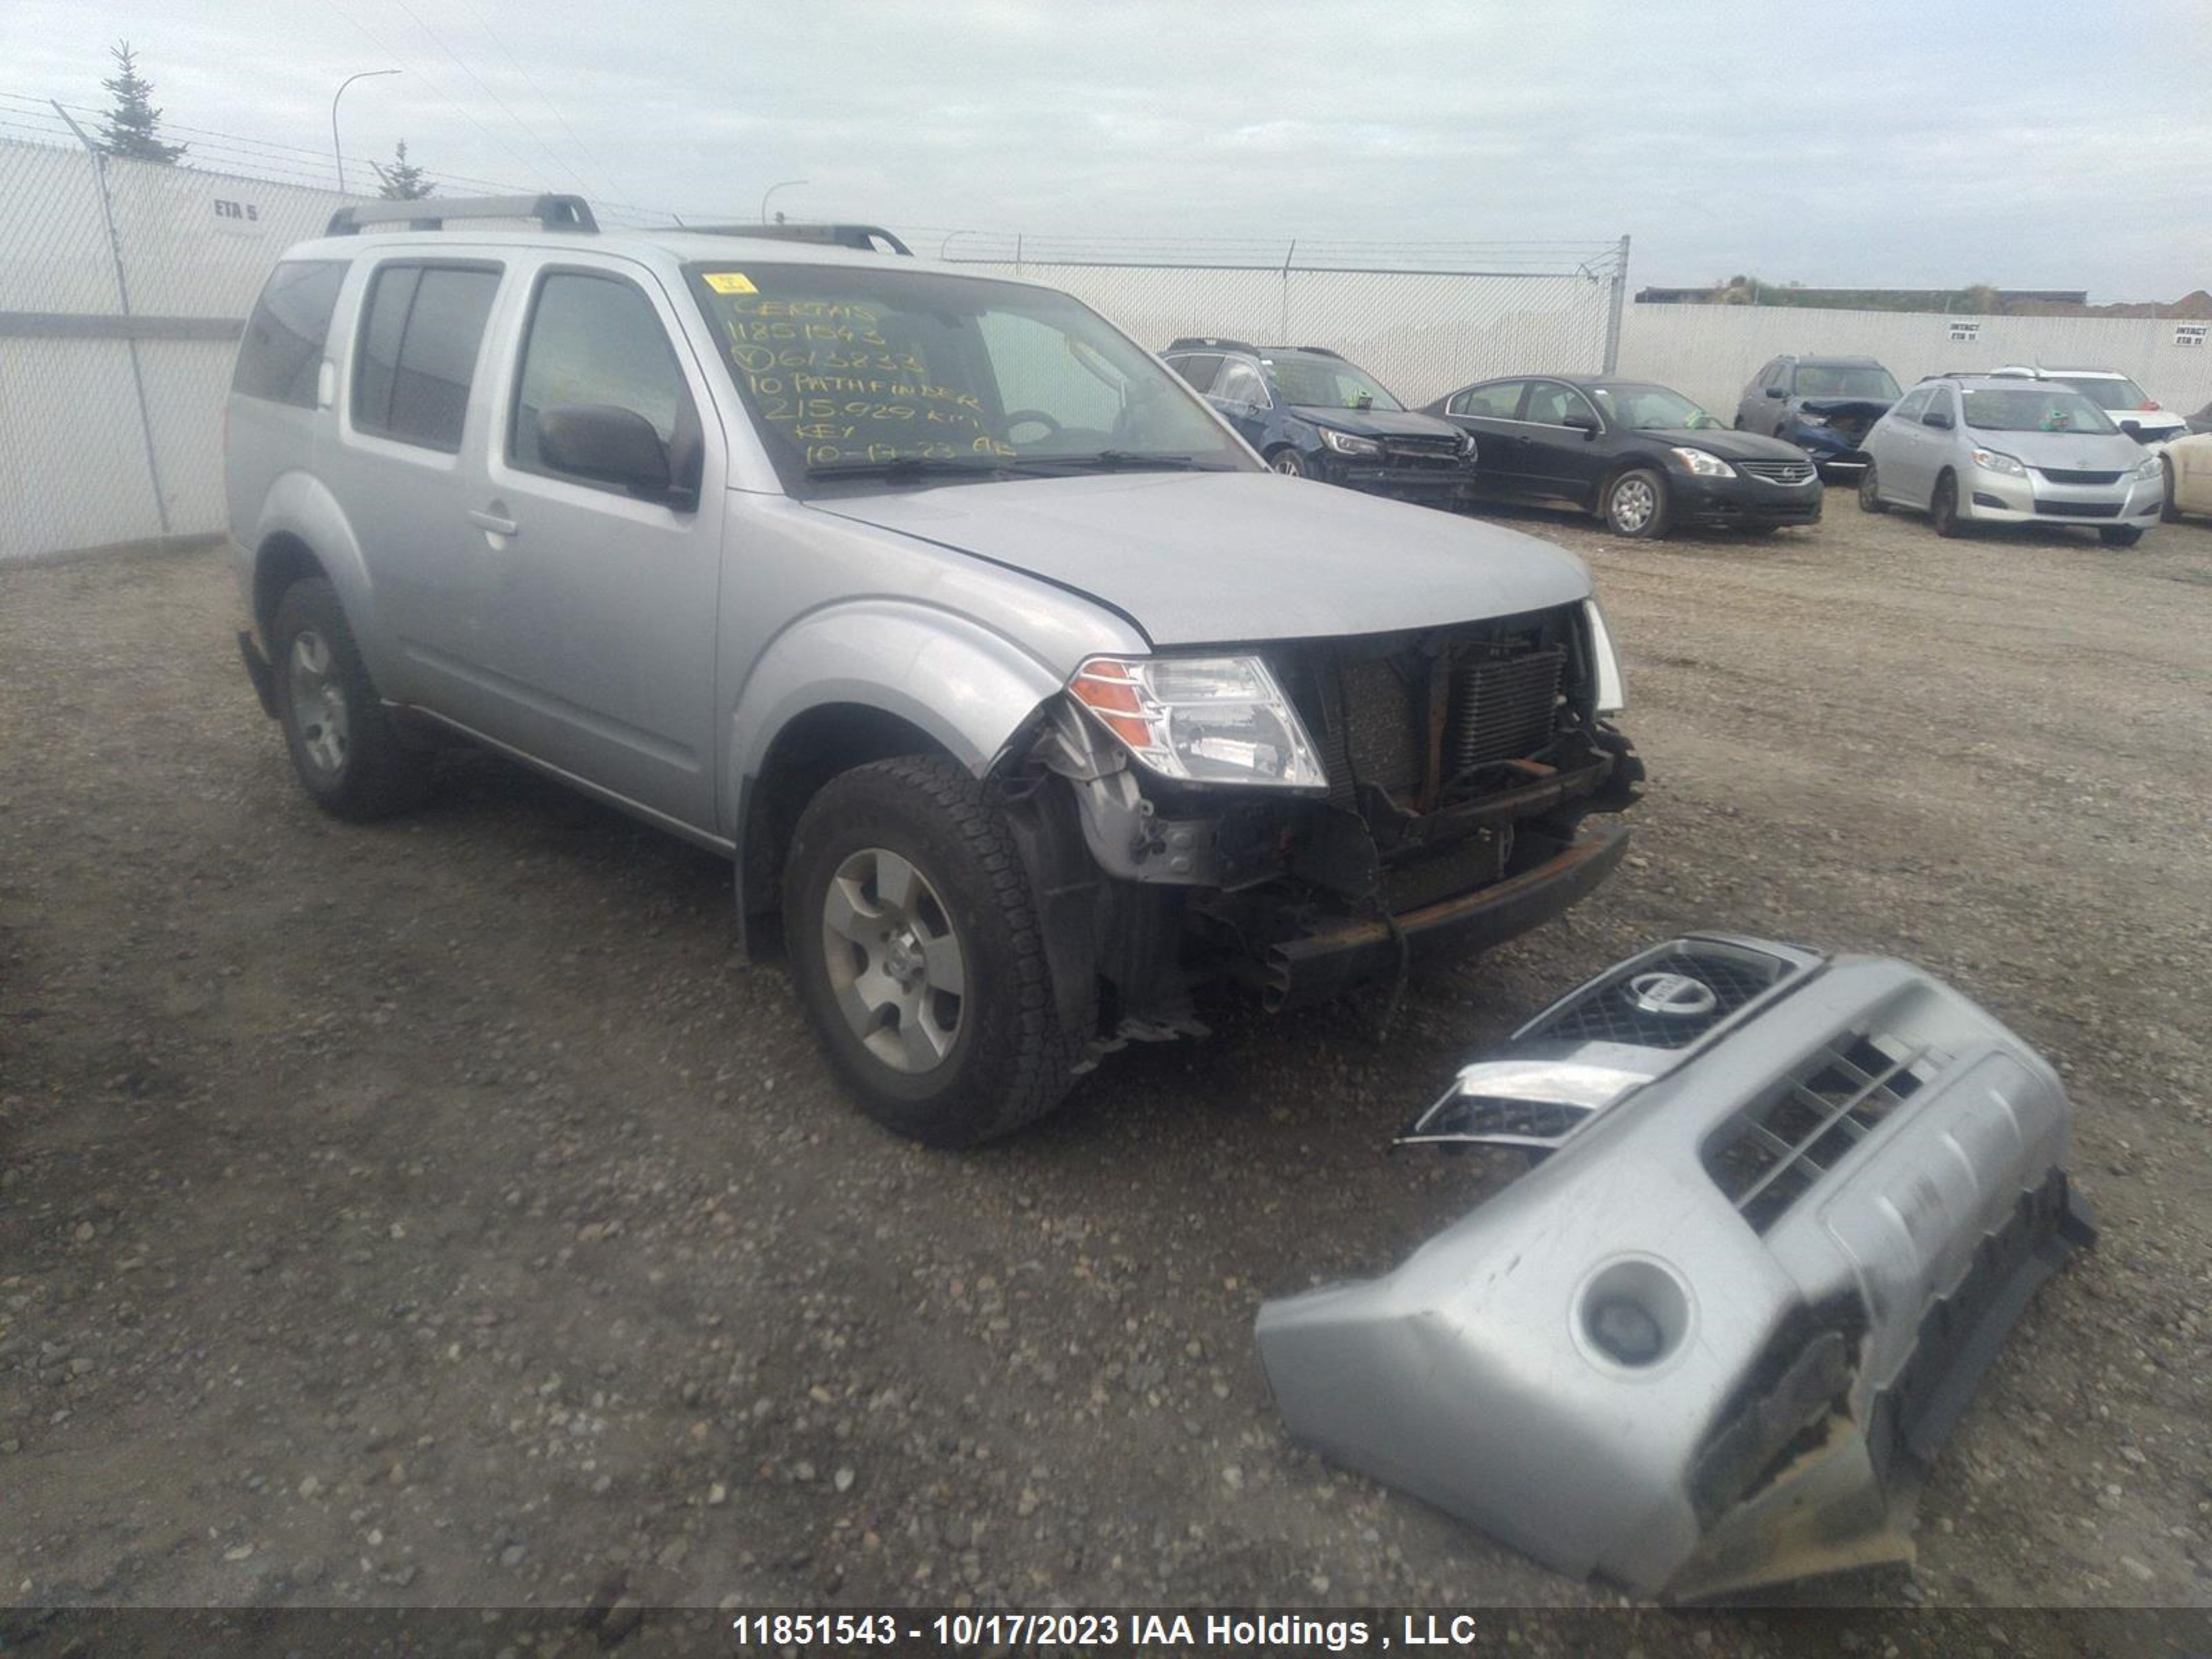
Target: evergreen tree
x,y
134,125
403,181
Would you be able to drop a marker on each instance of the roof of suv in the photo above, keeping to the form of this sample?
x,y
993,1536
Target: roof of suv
x,y
1800,360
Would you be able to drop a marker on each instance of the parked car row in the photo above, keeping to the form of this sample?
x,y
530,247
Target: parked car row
x,y
2019,445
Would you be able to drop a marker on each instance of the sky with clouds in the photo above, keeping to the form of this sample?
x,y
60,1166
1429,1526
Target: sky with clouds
x,y
2028,145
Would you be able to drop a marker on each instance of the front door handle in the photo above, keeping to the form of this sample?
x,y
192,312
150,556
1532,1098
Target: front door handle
x,y
494,523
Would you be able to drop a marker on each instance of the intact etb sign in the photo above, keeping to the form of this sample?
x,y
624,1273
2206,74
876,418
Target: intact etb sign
x,y
2190,334
1966,331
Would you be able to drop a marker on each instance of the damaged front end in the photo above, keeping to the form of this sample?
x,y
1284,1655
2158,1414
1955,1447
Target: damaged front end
x,y
1785,1209
1426,799
1833,430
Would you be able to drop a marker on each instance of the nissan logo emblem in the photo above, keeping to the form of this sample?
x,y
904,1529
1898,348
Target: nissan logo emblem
x,y
1672,996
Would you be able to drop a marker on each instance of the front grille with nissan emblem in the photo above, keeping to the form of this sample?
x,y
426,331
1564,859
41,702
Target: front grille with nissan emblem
x,y
1781,472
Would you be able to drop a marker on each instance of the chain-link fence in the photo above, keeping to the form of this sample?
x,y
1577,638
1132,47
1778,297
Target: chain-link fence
x,y
1423,319
124,284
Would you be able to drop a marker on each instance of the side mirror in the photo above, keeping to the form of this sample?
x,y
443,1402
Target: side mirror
x,y
1776,391
606,444
2133,429
1585,424
1937,417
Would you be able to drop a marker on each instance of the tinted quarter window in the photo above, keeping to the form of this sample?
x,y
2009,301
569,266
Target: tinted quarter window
x,y
418,352
594,340
1199,371
284,337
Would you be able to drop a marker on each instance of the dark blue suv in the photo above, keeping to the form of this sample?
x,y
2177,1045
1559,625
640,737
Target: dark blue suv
x,y
1312,414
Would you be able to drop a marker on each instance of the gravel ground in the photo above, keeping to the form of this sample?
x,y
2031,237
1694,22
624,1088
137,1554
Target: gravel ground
x,y
434,1213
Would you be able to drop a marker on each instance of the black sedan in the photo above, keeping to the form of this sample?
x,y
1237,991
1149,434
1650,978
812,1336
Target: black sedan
x,y
1642,458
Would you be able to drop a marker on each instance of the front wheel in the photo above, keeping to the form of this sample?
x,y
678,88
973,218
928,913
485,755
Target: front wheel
x,y
2119,535
1290,464
917,952
1636,505
1870,499
1943,507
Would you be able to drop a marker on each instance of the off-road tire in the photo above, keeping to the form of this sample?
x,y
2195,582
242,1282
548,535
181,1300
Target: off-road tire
x,y
2119,535
1610,505
1870,499
1010,1061
1943,508
381,774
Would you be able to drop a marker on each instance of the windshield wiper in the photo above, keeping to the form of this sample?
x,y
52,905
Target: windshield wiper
x,y
1120,460
905,466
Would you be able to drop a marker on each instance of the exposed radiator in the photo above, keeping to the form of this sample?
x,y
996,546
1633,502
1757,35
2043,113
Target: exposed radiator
x,y
1503,708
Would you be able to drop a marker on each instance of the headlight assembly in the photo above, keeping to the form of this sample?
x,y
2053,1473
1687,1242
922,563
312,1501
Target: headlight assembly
x,y
1702,462
1995,460
1344,443
1201,719
2150,467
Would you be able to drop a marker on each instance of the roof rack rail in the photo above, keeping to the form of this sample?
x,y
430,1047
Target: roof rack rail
x,y
861,239
1319,351
1210,343
553,212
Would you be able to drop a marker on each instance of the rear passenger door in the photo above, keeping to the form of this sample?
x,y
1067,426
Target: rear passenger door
x,y
408,401
595,609
1492,412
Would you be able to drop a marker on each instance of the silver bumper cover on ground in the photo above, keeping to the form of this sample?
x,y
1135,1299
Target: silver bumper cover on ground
x,y
1786,1208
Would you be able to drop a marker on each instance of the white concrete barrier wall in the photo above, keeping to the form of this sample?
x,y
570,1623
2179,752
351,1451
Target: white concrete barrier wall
x,y
1709,353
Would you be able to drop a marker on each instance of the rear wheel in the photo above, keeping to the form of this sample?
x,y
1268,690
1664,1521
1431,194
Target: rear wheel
x,y
2169,510
1943,508
2119,535
917,953
349,755
1636,505
1870,499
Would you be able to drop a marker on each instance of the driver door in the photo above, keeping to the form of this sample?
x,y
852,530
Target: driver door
x,y
1241,396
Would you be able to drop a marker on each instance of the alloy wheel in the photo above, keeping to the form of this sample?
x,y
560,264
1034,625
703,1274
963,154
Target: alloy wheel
x,y
894,959
319,703
1634,501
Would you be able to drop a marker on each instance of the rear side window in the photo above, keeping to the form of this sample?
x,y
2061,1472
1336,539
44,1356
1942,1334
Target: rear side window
x,y
419,335
284,338
1498,402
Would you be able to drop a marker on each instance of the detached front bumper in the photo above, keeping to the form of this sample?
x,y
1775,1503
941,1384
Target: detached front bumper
x,y
1786,1209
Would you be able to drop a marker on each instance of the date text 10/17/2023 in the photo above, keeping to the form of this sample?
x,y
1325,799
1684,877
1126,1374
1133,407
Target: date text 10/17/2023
x,y
1272,1632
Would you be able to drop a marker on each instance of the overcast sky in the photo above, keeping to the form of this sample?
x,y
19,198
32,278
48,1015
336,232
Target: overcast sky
x,y
2027,144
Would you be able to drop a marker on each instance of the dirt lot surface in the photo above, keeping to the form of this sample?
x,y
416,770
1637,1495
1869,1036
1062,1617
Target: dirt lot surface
x,y
436,1212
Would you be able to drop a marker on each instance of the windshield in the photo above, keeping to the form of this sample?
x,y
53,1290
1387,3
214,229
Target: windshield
x,y
1844,381
2048,407
1327,383
848,369
1649,409
2107,391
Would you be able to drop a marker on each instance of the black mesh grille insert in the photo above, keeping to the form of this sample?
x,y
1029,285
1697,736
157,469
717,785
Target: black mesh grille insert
x,y
1638,1009
1774,1152
2079,509
2066,476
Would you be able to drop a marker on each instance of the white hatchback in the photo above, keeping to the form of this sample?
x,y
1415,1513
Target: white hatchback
x,y
2128,403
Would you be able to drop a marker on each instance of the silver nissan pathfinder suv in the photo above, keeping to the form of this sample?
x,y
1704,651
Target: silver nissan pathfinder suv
x,y
1022,695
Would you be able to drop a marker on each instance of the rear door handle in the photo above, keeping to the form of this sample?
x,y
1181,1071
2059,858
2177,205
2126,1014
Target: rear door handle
x,y
494,523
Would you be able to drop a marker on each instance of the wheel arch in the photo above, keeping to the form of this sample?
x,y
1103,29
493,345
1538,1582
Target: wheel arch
x,y
302,531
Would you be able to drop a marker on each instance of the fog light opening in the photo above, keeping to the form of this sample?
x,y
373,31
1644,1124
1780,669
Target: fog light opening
x,y
1634,1313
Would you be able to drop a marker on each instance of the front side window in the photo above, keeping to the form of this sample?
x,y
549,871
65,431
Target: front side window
x,y
1550,403
1199,370
422,324
1845,381
857,370
1240,383
1328,383
2047,406
1915,404
282,347
596,340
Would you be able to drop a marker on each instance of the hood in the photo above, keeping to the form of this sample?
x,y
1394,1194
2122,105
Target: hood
x,y
1727,444
1224,558
1872,408
2084,452
1377,423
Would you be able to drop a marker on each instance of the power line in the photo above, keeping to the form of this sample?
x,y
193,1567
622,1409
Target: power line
x,y
589,154
484,87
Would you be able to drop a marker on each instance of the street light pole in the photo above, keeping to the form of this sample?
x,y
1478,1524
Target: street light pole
x,y
779,184
337,154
